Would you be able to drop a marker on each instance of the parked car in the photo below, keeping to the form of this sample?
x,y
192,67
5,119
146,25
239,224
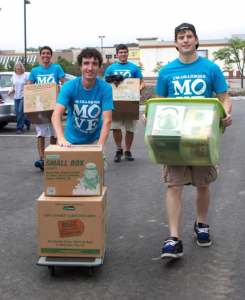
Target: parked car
x,y
7,113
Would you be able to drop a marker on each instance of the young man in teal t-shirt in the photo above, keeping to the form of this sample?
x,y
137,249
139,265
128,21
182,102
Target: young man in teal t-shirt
x,y
189,76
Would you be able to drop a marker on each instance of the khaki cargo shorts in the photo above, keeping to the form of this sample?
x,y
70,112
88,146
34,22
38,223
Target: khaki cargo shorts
x,y
128,125
185,175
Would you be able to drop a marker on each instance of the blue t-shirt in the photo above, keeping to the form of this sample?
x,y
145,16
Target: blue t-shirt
x,y
198,79
44,75
85,107
126,70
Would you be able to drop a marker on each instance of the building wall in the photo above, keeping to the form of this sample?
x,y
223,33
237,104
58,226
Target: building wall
x,y
152,52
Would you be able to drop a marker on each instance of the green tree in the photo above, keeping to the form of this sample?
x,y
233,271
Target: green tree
x,y
234,53
228,67
73,69
33,49
64,63
158,67
10,65
2,67
141,66
29,67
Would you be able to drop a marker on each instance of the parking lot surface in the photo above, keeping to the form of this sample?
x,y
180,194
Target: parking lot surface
x,y
137,227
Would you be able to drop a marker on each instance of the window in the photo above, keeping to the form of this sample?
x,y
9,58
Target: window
x,y
5,81
203,53
108,56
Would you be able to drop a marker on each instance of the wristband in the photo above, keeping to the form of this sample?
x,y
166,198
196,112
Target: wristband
x,y
61,139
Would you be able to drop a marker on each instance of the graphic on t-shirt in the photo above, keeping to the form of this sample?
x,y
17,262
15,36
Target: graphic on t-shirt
x,y
189,85
45,78
124,73
90,183
86,114
168,120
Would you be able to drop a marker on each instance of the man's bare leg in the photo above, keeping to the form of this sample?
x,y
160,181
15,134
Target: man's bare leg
x,y
174,209
41,146
129,137
117,134
202,203
53,140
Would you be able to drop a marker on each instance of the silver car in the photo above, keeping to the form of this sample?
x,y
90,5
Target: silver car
x,y
7,113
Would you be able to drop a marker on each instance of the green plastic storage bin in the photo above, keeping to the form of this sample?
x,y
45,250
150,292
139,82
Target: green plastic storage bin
x,y
184,131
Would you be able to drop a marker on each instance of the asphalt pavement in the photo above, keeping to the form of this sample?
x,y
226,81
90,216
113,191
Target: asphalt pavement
x,y
137,227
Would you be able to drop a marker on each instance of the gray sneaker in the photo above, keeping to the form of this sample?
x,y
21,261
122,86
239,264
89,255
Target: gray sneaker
x,y
119,154
128,155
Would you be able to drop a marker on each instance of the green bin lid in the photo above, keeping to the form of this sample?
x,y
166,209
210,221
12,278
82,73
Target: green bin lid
x,y
189,100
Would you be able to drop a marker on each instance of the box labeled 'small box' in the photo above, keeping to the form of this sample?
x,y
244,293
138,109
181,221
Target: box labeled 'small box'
x,y
73,171
126,99
71,226
40,101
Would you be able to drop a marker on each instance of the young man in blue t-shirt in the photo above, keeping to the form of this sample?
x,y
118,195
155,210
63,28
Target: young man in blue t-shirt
x,y
126,69
46,72
189,76
89,102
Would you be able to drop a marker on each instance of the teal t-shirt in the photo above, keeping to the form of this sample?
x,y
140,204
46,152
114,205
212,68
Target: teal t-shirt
x,y
45,75
198,79
85,107
126,70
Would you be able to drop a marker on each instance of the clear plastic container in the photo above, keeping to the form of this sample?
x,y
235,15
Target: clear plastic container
x,y
184,131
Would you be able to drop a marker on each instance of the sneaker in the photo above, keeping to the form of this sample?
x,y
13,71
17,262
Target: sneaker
x,y
128,155
119,154
18,132
39,164
173,248
201,232
28,127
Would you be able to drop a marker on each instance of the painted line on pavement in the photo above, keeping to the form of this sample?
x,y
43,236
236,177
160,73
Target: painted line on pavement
x,y
17,135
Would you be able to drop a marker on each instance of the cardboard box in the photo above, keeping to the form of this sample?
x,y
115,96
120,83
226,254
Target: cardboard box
x,y
72,227
40,101
126,99
73,171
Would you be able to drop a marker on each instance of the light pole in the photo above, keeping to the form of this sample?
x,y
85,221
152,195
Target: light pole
x,y
25,2
101,37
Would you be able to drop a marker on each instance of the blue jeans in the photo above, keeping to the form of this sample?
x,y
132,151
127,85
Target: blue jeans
x,y
21,117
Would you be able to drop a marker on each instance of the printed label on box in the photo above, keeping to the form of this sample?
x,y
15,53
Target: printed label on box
x,y
70,228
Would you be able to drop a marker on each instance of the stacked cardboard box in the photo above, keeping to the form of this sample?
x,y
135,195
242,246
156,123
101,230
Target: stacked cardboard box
x,y
72,211
40,101
126,99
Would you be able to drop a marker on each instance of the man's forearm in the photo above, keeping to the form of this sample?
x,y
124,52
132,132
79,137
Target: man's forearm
x,y
57,124
105,130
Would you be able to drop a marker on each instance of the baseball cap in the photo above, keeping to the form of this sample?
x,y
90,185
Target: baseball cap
x,y
185,26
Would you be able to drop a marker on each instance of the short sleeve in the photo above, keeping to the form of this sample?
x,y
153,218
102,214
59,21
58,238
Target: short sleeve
x,y
107,71
61,72
219,82
32,76
65,94
138,73
161,88
107,98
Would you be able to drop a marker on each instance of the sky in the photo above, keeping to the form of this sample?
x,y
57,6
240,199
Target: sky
x,y
62,24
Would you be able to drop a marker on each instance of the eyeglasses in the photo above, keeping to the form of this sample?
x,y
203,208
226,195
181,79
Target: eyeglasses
x,y
122,52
